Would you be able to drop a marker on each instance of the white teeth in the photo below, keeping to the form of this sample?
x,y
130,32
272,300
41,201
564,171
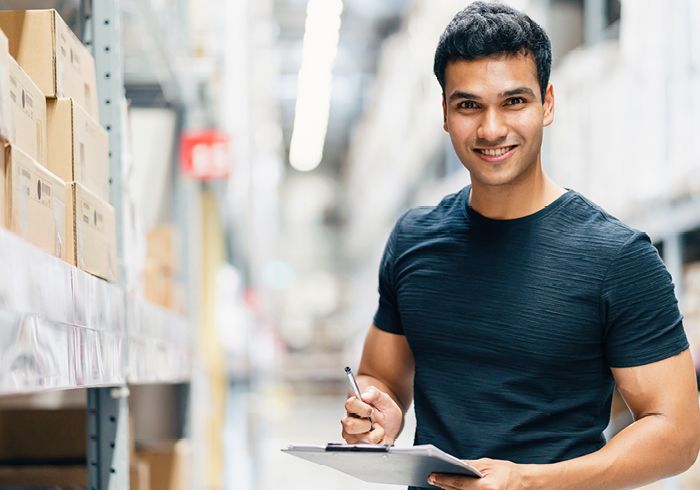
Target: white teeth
x,y
497,152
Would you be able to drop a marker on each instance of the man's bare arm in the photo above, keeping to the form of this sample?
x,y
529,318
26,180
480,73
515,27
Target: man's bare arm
x,y
663,441
387,363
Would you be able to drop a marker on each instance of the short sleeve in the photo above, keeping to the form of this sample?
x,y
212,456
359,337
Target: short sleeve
x,y
642,323
387,317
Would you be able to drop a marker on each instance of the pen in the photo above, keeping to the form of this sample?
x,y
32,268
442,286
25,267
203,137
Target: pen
x,y
353,382
355,387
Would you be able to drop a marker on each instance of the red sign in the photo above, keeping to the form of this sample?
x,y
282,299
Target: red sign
x,y
205,154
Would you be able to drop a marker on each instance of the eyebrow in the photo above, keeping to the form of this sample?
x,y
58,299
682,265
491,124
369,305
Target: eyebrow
x,y
458,94
517,91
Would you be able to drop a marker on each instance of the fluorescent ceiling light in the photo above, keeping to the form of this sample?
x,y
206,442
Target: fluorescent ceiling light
x,y
314,85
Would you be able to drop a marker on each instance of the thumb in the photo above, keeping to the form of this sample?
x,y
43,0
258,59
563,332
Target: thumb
x,y
377,399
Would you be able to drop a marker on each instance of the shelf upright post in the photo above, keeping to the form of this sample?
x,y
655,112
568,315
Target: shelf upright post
x,y
108,439
108,409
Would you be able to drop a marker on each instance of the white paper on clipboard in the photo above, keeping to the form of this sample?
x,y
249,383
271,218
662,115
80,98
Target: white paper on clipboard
x,y
385,464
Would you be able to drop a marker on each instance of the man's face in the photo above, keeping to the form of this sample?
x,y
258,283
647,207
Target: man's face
x,y
494,115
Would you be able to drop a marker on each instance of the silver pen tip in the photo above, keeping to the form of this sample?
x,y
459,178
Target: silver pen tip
x,y
347,369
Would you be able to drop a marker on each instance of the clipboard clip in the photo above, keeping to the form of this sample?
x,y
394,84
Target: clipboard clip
x,y
372,448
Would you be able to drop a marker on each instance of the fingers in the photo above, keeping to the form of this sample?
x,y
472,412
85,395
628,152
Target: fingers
x,y
354,425
379,399
453,482
377,435
358,407
354,438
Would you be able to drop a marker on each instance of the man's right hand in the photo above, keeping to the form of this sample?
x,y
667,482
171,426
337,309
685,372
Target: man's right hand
x,y
375,419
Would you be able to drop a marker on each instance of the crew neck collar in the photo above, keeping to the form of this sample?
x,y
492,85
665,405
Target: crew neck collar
x,y
474,216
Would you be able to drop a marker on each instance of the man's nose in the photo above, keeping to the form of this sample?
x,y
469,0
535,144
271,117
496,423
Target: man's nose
x,y
492,127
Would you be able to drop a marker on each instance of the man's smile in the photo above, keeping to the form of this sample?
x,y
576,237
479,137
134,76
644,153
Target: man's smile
x,y
496,154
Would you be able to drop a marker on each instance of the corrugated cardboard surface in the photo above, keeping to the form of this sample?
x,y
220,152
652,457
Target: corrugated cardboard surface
x,y
37,202
44,477
169,464
5,106
30,436
139,475
52,55
162,247
91,232
31,44
28,114
78,145
160,287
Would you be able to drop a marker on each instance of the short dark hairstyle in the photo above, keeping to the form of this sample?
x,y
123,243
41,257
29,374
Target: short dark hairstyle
x,y
485,29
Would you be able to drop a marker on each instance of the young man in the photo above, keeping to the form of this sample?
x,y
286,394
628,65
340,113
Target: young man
x,y
509,311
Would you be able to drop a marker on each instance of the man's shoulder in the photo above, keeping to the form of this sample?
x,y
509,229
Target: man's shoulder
x,y
597,225
442,217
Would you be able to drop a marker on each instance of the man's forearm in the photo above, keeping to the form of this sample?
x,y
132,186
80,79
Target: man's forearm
x,y
650,449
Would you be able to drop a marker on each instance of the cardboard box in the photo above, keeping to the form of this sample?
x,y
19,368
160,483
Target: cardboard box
x,y
160,287
169,465
139,475
28,114
52,55
38,436
78,146
162,247
91,233
5,106
44,477
36,201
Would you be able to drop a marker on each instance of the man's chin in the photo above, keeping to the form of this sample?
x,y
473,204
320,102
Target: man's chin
x,y
492,180
496,177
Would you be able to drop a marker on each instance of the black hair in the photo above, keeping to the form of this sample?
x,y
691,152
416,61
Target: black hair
x,y
485,29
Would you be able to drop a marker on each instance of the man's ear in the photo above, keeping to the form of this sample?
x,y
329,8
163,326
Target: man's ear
x,y
548,106
444,113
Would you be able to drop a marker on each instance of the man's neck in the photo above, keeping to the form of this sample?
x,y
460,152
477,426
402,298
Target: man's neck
x,y
516,200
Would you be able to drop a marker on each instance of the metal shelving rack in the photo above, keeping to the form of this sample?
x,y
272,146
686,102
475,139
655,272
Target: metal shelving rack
x,y
153,336
61,328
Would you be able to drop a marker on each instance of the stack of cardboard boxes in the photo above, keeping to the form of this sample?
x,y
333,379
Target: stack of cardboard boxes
x,y
54,177
47,448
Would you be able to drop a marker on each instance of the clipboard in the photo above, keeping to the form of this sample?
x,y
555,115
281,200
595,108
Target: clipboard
x,y
385,464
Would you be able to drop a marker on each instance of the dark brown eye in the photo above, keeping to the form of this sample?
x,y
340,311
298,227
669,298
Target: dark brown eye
x,y
468,104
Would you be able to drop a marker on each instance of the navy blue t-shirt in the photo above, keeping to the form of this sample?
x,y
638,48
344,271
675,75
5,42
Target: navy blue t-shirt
x,y
515,324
